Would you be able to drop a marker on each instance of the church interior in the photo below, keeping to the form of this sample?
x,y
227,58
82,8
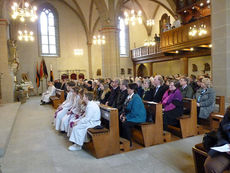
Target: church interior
x,y
114,85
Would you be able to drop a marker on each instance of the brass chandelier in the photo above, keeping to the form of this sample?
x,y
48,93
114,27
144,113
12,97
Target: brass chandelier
x,y
23,10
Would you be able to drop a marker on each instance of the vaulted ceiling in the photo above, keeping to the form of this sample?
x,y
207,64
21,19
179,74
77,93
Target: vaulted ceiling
x,y
91,12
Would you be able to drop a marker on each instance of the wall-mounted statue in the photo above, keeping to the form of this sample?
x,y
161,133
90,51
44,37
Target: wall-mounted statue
x,y
13,56
207,67
122,71
194,68
129,71
98,72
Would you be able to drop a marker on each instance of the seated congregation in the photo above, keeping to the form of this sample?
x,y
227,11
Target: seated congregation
x,y
125,111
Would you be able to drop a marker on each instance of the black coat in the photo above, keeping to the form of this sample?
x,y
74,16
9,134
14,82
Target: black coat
x,y
112,100
140,91
121,100
148,95
157,97
103,101
57,85
223,134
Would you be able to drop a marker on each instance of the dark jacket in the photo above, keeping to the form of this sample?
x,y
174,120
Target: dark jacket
x,y
135,110
148,94
63,87
112,100
140,91
194,86
157,97
187,92
57,85
121,99
103,101
223,134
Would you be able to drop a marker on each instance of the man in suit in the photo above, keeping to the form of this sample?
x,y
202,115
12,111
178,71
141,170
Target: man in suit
x,y
159,88
123,95
63,87
186,90
112,100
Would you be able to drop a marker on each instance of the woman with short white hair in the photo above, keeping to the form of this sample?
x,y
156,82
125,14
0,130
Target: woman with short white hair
x,y
205,98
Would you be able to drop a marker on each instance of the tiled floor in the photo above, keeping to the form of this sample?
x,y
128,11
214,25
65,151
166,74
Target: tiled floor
x,y
35,147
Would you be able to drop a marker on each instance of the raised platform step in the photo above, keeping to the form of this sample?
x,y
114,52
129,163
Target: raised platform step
x,y
8,114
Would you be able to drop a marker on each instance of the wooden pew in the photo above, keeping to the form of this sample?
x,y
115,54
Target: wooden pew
x,y
199,157
188,123
150,133
106,141
216,117
58,99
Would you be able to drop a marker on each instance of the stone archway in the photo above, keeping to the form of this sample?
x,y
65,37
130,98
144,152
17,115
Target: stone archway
x,y
142,71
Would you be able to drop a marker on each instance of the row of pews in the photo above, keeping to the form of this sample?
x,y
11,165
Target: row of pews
x,y
107,141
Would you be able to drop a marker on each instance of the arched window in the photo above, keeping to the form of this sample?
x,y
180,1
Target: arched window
x,y
123,39
48,31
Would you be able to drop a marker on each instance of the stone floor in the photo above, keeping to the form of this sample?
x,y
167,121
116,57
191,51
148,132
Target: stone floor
x,y
35,147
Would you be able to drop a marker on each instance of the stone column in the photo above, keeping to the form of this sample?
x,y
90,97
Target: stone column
x,y
134,70
184,66
151,69
7,84
90,59
110,53
220,47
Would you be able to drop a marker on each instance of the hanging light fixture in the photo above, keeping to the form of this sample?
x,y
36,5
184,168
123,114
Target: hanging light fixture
x,y
25,35
149,42
193,31
133,17
24,10
150,22
99,40
202,30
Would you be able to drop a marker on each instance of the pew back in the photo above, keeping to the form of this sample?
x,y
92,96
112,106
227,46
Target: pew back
x,y
188,121
106,141
150,133
216,117
220,101
58,99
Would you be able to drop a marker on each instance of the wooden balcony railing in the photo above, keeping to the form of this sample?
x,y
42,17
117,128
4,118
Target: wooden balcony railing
x,y
176,39
179,38
145,51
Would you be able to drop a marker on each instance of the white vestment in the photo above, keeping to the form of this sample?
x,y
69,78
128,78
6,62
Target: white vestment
x,y
66,119
91,119
81,113
50,92
66,105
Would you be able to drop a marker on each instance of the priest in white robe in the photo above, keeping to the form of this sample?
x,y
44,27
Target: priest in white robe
x,y
65,106
91,119
50,92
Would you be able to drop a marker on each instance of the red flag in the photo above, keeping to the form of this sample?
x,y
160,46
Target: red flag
x,y
41,70
37,77
45,73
